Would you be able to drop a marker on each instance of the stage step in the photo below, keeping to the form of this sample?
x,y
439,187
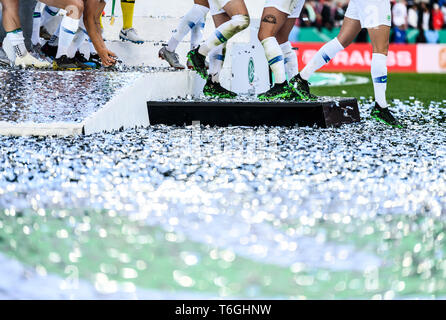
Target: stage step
x,y
51,103
325,113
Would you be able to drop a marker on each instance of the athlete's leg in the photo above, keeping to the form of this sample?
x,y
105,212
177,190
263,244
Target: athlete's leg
x,y
37,21
271,22
192,21
14,43
290,56
348,33
379,37
196,35
69,24
128,33
217,57
239,20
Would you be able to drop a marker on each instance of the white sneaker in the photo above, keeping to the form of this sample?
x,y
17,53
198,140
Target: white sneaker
x,y
30,61
130,35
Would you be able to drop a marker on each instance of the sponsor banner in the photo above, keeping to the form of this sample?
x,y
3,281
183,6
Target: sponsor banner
x,y
431,58
358,57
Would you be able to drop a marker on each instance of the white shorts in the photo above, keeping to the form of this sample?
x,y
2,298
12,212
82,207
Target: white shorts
x,y
290,7
371,13
216,6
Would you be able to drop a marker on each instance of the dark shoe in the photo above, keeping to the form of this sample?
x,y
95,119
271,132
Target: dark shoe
x,y
49,51
383,115
94,58
303,87
65,63
82,62
198,62
214,89
280,91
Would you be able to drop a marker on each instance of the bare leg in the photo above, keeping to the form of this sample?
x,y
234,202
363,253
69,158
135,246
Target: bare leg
x,y
379,37
272,22
284,32
236,7
11,19
202,3
349,31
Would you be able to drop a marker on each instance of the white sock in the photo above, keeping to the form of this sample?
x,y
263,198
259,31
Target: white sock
x,y
68,29
216,60
78,40
187,23
48,13
290,59
224,32
17,42
322,57
379,77
275,58
196,34
37,19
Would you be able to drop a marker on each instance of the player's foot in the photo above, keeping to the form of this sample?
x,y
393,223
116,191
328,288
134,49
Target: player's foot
x,y
384,115
190,67
303,87
198,62
65,63
130,35
280,91
28,60
171,58
94,58
82,62
214,89
49,51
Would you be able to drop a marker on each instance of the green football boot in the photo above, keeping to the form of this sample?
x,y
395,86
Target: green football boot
x,y
383,115
214,89
198,62
303,87
280,91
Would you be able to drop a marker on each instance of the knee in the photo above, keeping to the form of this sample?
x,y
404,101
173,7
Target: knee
x,y
75,8
240,22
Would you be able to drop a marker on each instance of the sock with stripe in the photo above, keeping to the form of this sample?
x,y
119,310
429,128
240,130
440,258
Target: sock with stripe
x,y
37,20
290,59
194,17
379,76
275,58
196,35
68,29
224,32
48,14
128,7
321,58
216,60
17,42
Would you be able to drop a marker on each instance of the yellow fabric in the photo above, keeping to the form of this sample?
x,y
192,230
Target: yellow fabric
x,y
128,7
100,21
